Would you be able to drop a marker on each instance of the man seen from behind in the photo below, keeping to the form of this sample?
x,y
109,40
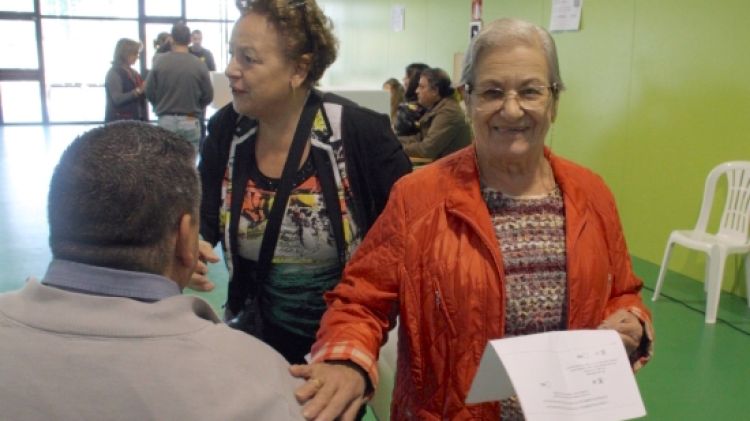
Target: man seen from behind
x,y
179,87
106,334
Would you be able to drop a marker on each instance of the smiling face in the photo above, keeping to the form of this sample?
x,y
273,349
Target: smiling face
x,y
261,77
508,131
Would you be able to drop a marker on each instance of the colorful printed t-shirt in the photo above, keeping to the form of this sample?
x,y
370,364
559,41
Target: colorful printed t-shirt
x,y
305,263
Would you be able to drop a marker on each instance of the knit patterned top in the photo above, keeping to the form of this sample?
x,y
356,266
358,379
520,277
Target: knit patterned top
x,y
531,233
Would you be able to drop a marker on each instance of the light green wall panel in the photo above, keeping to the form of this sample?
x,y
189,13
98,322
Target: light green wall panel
x,y
657,94
370,52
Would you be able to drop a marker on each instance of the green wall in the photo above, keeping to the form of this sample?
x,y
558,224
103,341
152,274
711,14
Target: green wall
x,y
657,94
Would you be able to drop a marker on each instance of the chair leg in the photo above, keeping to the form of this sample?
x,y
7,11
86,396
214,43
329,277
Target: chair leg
x,y
707,272
716,260
663,269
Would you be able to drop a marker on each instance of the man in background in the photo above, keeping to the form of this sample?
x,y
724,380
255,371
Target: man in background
x,y
207,58
203,54
179,88
106,334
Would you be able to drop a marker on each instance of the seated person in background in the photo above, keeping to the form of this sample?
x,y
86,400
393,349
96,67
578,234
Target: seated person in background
x,y
409,111
396,90
501,239
443,129
106,334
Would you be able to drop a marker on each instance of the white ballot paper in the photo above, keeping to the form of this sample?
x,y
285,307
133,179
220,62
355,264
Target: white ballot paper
x,y
575,375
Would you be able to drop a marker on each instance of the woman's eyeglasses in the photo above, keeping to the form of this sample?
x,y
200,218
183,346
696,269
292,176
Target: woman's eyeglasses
x,y
530,98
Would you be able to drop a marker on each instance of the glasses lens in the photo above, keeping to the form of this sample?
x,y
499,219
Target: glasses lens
x,y
533,97
528,98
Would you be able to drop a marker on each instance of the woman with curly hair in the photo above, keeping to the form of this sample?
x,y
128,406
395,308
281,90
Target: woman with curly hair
x,y
292,177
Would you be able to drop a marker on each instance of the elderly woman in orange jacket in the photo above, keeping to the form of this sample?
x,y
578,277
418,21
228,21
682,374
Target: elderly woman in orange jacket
x,y
502,238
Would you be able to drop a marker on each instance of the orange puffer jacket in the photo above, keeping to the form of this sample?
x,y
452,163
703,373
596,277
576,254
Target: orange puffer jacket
x,y
433,257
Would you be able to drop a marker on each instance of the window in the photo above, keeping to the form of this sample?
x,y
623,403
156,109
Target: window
x,y
21,102
17,6
109,8
214,10
165,7
75,76
18,44
78,42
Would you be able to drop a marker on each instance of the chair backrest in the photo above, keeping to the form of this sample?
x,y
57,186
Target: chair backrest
x,y
736,213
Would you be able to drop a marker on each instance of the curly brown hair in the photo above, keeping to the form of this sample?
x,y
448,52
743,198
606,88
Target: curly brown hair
x,y
303,27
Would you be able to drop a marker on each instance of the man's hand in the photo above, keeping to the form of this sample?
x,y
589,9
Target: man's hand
x,y
199,281
628,326
332,390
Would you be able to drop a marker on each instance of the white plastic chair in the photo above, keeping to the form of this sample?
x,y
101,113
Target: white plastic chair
x,y
731,238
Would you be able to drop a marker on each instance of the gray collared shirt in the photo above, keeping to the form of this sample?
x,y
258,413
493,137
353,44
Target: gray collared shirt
x,y
98,280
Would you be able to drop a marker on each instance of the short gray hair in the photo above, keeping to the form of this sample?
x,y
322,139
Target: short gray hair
x,y
511,32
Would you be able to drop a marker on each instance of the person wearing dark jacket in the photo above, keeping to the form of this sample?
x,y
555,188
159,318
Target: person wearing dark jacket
x,y
196,49
343,160
443,129
123,85
408,113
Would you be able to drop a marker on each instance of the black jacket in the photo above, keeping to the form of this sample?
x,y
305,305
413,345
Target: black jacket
x,y
374,161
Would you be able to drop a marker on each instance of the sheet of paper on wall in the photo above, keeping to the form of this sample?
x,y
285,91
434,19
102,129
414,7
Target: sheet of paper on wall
x,y
398,18
575,375
566,15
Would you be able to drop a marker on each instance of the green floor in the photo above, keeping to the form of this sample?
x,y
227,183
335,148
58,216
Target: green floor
x,y
699,372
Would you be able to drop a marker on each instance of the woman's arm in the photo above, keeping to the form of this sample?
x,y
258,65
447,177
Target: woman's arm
x,y
363,307
113,85
625,310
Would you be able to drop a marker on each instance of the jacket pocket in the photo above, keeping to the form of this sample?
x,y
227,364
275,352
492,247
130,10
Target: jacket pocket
x,y
442,306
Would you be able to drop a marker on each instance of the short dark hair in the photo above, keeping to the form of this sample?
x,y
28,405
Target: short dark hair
x,y
117,195
413,72
303,29
439,80
181,34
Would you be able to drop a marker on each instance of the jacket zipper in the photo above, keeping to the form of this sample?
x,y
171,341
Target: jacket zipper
x,y
440,304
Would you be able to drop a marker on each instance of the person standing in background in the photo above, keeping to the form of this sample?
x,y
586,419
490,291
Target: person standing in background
x,y
179,88
162,44
203,54
123,85
207,58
